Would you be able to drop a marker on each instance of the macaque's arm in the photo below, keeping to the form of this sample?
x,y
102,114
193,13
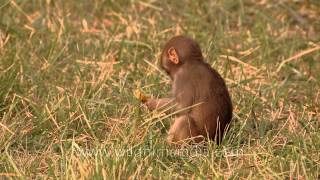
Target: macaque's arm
x,y
166,104
163,103
184,93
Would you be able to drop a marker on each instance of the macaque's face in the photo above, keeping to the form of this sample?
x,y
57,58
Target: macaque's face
x,y
163,64
178,51
170,61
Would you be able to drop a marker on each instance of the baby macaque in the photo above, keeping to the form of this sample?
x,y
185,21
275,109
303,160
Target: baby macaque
x,y
203,104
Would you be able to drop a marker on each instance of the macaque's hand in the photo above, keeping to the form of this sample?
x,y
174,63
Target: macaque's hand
x,y
152,104
160,104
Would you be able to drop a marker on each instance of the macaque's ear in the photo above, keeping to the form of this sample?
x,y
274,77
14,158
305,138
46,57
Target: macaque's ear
x,y
173,55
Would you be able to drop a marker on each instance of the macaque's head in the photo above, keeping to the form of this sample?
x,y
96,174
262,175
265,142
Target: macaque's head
x,y
178,51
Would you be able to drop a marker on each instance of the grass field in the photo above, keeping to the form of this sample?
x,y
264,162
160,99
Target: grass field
x,y
68,70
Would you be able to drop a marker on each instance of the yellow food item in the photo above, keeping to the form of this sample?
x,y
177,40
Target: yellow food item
x,y
139,95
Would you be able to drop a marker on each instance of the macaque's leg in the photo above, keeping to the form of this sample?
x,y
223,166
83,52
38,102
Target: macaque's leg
x,y
153,104
183,128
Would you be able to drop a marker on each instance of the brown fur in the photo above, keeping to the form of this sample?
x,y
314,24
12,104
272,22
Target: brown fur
x,y
196,84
